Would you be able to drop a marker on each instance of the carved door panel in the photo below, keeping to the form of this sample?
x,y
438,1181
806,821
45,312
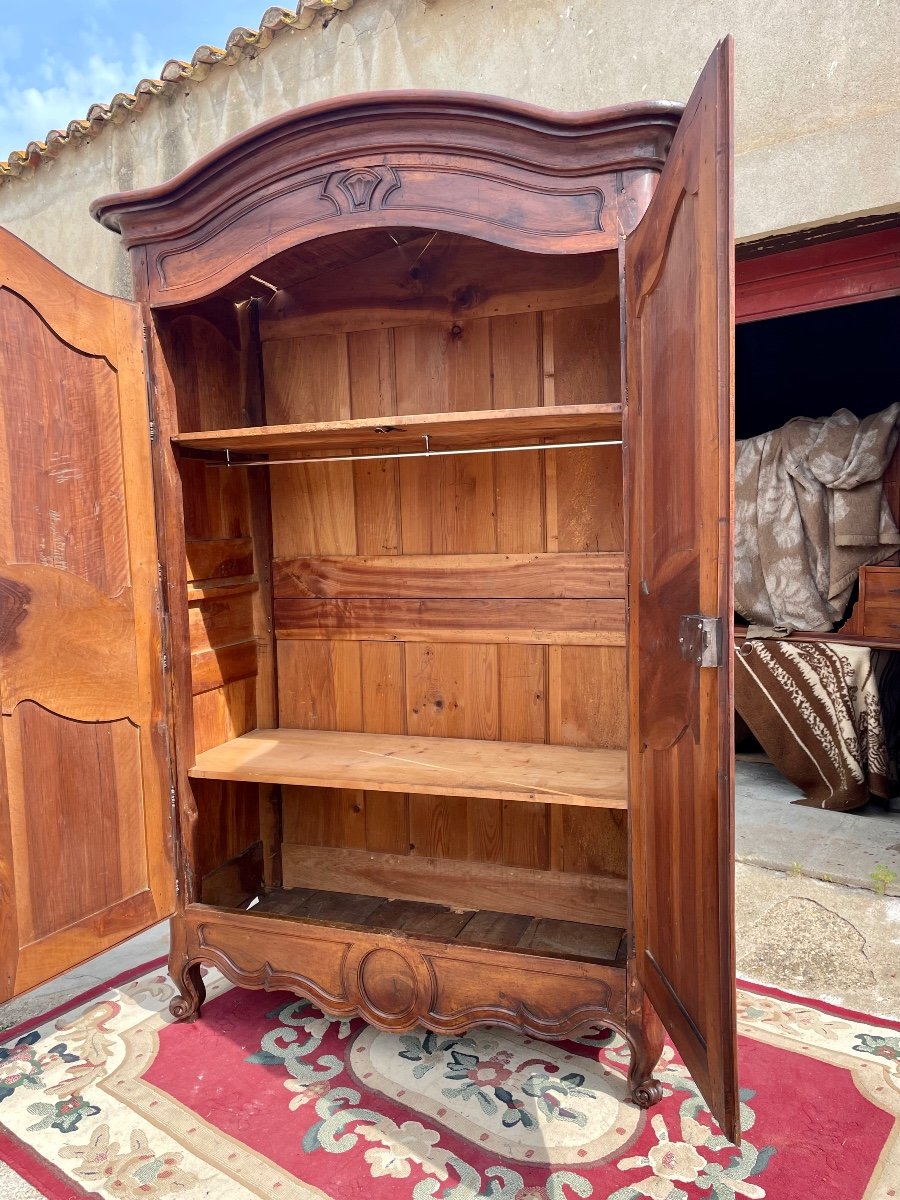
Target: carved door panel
x,y
679,306
85,818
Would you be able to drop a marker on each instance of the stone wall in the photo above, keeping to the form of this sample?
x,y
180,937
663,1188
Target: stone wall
x,y
817,122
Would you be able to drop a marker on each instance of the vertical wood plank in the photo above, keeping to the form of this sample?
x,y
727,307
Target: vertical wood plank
x,y
447,506
320,688
377,492
375,484
452,691
382,672
587,484
523,718
519,382
314,512
518,490
307,379
585,709
313,508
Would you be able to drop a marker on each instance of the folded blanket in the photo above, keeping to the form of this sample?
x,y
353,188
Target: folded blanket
x,y
810,511
815,708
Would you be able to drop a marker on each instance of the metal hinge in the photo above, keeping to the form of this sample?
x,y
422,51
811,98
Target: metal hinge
x,y
700,639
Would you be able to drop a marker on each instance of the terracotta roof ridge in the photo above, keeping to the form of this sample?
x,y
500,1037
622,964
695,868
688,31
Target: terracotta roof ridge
x,y
241,43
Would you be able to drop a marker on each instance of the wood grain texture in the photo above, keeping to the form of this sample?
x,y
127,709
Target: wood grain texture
x,y
253,404
417,514
449,429
223,713
211,669
429,576
396,981
550,622
570,939
529,180
220,620
494,169
91,675
592,899
678,268
208,531
879,603
442,766
218,558
85,790
89,824
443,278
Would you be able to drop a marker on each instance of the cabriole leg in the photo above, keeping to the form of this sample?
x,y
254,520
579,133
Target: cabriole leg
x,y
186,976
645,1036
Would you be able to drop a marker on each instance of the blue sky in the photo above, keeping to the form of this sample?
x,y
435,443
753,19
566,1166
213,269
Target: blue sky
x,y
59,56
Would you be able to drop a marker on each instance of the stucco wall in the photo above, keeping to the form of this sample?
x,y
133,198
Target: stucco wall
x,y
817,122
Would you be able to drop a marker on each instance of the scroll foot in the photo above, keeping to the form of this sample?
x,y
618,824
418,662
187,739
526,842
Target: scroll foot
x,y
189,981
648,1093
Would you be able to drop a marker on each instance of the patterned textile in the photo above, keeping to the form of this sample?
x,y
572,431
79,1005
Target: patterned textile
x,y
810,511
815,709
264,1097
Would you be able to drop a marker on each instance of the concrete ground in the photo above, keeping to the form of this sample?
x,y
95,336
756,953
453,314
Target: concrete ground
x,y
817,909
860,848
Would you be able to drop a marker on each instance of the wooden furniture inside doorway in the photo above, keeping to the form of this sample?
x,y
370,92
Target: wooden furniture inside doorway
x,y
442,701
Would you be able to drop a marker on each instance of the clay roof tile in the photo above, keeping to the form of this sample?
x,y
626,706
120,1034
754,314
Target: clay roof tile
x,y
242,43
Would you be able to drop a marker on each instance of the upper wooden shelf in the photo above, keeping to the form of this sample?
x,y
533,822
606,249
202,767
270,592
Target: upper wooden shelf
x,y
453,430
423,765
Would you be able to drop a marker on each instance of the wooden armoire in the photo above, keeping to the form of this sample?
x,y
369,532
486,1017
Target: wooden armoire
x,y
365,598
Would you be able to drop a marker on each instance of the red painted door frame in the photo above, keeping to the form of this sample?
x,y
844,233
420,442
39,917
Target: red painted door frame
x,y
845,270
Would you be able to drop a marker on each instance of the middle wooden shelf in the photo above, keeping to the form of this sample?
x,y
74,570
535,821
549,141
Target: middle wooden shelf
x,y
453,430
380,762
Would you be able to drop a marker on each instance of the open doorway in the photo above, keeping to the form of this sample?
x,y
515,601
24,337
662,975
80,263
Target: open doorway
x,y
843,352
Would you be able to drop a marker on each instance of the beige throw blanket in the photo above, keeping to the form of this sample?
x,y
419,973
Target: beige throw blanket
x,y
809,512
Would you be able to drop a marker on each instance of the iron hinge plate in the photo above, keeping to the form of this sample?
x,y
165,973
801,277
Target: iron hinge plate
x,y
700,639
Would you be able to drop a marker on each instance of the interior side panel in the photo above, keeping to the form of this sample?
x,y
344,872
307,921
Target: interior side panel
x,y
204,355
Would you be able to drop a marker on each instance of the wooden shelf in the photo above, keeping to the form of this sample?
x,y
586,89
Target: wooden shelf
x,y
454,430
422,765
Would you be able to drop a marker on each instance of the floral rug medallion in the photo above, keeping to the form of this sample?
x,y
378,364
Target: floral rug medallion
x,y
521,1099
265,1097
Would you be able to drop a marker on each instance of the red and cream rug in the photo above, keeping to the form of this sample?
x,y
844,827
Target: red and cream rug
x,y
264,1097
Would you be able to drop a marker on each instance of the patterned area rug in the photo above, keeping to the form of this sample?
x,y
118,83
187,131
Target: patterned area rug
x,y
264,1097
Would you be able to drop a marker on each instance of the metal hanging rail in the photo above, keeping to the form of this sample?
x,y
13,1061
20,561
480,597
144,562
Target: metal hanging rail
x,y
428,452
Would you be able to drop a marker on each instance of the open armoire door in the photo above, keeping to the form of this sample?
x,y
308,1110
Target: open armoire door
x,y
678,269
85,809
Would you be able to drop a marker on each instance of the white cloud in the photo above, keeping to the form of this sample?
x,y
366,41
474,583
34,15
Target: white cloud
x,y
65,89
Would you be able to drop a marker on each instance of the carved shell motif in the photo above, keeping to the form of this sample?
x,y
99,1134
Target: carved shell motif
x,y
361,188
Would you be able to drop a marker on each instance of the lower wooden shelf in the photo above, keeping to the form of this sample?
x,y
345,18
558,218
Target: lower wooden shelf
x,y
508,931
421,765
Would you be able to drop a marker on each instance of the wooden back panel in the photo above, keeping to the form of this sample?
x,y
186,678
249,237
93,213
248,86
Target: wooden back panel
x,y
357,650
